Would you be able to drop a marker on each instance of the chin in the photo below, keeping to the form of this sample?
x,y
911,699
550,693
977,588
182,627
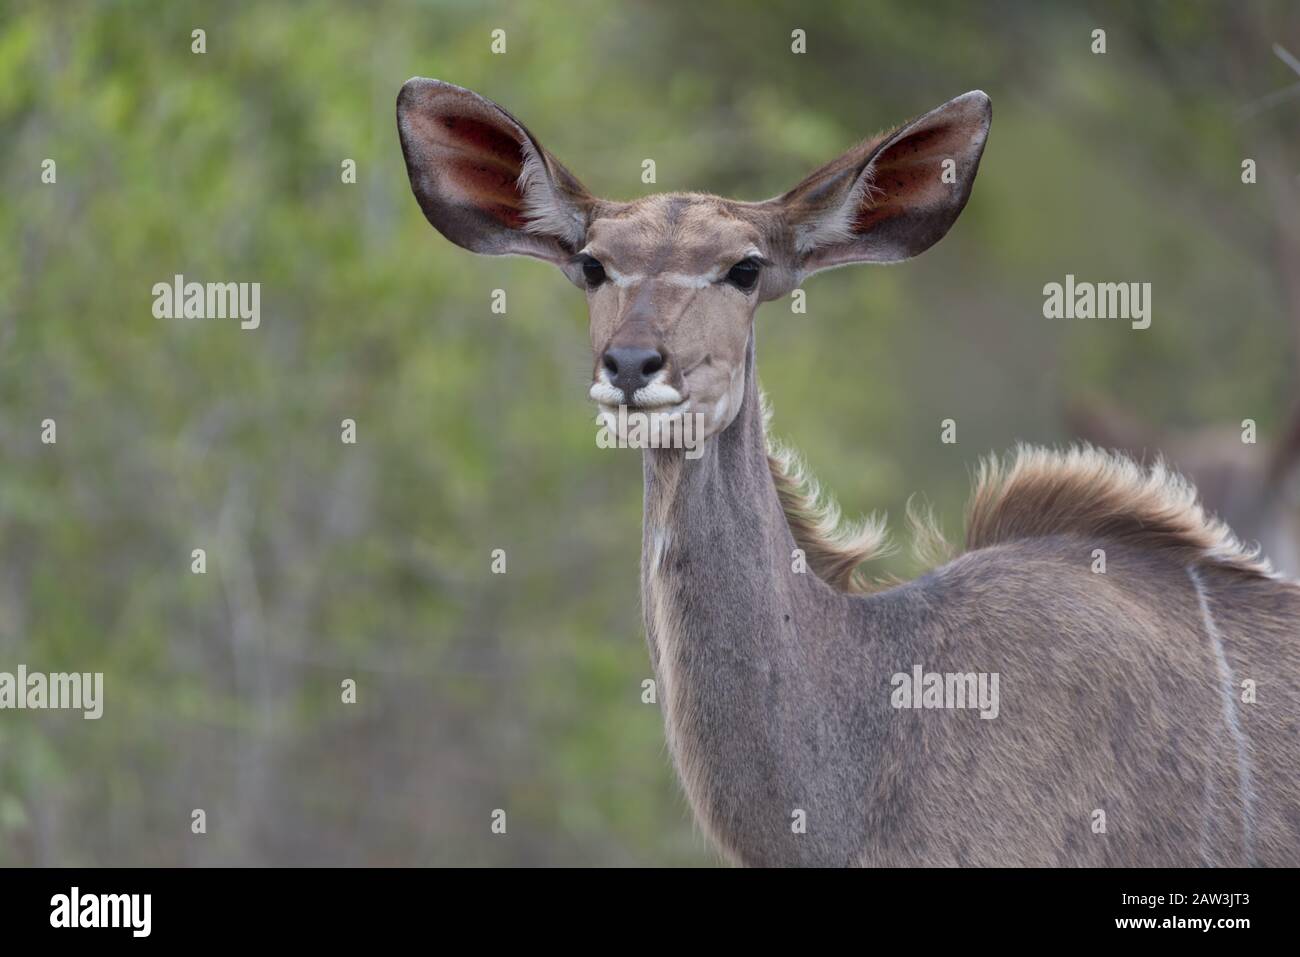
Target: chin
x,y
679,426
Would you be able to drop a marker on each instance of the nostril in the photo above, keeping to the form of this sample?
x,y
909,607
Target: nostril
x,y
631,367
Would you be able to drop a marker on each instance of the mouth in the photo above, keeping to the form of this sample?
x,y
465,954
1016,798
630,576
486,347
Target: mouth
x,y
663,408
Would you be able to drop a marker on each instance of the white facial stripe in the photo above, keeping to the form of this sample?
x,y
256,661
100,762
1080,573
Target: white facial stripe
x,y
690,281
685,280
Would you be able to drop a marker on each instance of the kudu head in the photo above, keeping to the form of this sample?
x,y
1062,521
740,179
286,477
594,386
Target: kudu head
x,y
672,280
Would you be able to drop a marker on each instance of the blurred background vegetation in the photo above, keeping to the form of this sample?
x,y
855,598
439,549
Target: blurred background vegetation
x,y
329,561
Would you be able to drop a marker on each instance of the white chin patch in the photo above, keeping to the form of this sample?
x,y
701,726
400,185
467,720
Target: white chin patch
x,y
658,418
674,428
629,424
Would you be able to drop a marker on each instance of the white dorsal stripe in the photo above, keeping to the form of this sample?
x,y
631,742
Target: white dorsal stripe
x,y
1231,720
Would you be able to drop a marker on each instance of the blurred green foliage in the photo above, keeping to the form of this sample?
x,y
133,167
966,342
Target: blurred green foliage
x,y
328,561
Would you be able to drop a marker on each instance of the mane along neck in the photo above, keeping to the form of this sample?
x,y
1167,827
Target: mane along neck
x,y
832,549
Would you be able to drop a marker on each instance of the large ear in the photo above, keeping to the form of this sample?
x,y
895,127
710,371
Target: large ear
x,y
893,196
483,180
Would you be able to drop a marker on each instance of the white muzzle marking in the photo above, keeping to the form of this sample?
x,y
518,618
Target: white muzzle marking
x,y
655,396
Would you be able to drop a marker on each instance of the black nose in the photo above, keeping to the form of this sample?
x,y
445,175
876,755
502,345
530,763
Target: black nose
x,y
630,367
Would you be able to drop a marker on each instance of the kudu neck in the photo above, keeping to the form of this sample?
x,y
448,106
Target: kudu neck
x,y
721,509
737,637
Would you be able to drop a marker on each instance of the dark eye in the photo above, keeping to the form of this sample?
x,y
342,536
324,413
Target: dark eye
x,y
593,272
744,274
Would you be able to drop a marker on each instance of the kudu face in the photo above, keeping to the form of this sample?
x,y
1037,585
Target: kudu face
x,y
672,285
672,281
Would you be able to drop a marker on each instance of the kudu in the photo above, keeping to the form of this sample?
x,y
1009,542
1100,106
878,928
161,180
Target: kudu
x,y
1127,732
